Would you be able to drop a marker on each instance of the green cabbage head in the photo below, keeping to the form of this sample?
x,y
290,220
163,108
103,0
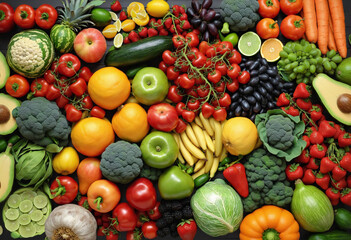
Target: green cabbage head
x,y
217,208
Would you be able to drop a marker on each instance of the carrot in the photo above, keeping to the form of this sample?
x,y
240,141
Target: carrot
x,y
331,39
323,24
338,17
310,20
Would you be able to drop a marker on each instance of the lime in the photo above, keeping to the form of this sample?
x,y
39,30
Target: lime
x,y
14,201
118,40
12,214
249,44
11,225
118,25
1,230
113,16
27,230
25,206
24,219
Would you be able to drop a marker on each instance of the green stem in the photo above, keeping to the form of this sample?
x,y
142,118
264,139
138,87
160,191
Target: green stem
x,y
44,16
2,15
98,202
270,234
24,14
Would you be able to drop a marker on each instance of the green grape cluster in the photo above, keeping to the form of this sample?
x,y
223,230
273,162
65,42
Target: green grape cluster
x,y
302,61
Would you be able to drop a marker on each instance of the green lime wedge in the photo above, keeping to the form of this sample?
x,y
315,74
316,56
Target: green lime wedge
x,y
249,44
42,221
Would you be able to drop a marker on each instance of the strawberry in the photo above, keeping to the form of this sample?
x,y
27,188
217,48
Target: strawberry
x,y
338,173
187,229
163,32
308,177
126,40
185,25
123,16
172,29
327,165
105,217
346,196
304,104
283,100
316,112
326,128
312,164
301,91
182,9
133,36
100,231
344,140
304,157
116,6
345,162
340,185
307,140
98,221
323,180
316,138
152,22
179,29
293,171
292,111
339,130
143,32
159,25
152,32
335,202
183,17
168,22
317,151
349,181
176,10
332,193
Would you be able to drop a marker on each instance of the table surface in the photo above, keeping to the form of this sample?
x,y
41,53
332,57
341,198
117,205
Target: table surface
x,y
5,38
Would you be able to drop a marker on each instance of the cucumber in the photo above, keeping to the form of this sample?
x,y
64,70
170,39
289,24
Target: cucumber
x,y
332,235
138,52
343,218
131,72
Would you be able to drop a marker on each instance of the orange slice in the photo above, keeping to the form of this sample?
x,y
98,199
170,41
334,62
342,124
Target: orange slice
x,y
110,31
270,49
128,25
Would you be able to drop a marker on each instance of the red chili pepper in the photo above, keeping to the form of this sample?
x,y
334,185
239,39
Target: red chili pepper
x,y
236,176
338,173
326,128
283,100
308,177
187,229
301,91
323,180
344,140
6,17
64,189
312,164
332,193
346,196
293,171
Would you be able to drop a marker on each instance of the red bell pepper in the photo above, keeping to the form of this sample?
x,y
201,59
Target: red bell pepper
x,y
236,176
64,189
187,229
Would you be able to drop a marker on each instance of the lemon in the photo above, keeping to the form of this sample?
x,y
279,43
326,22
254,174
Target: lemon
x,y
157,8
136,6
118,25
128,25
249,44
118,40
141,18
113,16
110,31
270,49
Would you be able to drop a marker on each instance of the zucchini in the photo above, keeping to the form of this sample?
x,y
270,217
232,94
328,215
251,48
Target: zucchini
x,y
138,52
131,72
332,235
343,218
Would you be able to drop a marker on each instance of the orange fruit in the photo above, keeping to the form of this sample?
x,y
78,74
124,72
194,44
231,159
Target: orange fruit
x,y
109,87
136,6
90,136
128,25
141,18
110,31
270,49
130,123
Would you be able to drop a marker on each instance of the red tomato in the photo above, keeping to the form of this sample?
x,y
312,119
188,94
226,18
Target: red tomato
x,y
45,16
233,71
174,95
204,46
126,219
267,28
141,218
87,103
141,194
172,73
191,54
52,93
17,86
224,47
154,213
112,235
220,114
79,87
24,16
192,39
98,112
85,73
163,117
211,52
178,41
200,60
234,57
220,87
62,101
290,7
214,76
268,8
180,108
49,76
203,91
64,189
207,110
193,104
181,126
188,116
233,86
225,100
39,87
168,58
186,82
244,77
293,27
134,235
69,65
149,230
163,66
6,18
222,67
72,113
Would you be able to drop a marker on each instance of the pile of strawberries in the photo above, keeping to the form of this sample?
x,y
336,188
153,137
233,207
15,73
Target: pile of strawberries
x,y
174,23
326,159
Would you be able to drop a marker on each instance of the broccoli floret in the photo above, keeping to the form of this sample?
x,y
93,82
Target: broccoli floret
x,y
41,122
267,181
240,14
280,132
150,173
121,162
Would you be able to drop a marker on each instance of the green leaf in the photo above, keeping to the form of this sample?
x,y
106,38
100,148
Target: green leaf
x,y
53,148
350,39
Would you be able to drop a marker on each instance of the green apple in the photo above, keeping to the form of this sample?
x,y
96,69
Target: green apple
x,y
159,149
150,85
175,184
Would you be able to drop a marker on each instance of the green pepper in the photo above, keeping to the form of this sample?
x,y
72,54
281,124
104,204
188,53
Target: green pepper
x,y
175,184
14,139
233,38
201,180
3,145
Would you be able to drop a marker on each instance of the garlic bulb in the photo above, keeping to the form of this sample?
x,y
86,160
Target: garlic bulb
x,y
71,222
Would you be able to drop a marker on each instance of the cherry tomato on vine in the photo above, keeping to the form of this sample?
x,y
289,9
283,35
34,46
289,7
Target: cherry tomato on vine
x,y
198,80
220,87
188,116
163,66
39,87
220,114
200,60
17,86
214,76
225,100
98,112
6,17
191,92
49,76
125,216
62,101
192,53
168,58
203,90
204,46
52,93
207,110
211,52
45,16
233,71
112,235
222,67
87,103
79,87
185,82
85,73
178,41
244,77
192,39
149,230
72,113
291,7
193,104
224,47
24,16
268,8
172,73
233,86
154,213
69,65
234,57
292,27
174,95
180,108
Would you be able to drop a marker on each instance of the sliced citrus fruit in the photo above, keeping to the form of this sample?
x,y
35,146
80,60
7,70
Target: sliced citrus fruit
x,y
136,6
113,16
109,31
141,18
270,49
118,25
118,40
128,25
249,44
133,13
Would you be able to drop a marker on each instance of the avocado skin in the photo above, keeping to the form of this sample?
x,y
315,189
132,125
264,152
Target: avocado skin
x,y
343,71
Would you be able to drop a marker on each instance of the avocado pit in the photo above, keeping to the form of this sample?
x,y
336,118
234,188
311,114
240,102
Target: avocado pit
x,y
4,114
344,103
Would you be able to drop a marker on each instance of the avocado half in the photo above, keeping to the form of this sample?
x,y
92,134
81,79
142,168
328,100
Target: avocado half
x,y
7,122
329,91
4,70
7,173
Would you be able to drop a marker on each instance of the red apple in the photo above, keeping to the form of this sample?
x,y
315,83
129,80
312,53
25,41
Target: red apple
x,y
90,45
162,117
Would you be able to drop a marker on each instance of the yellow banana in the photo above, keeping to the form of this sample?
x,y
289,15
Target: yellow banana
x,y
186,154
218,136
199,135
207,125
223,154
196,152
223,122
176,137
209,142
198,173
199,165
209,162
198,122
191,135
214,167
180,157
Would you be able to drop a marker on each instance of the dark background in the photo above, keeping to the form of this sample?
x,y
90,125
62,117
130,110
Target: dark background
x,y
5,38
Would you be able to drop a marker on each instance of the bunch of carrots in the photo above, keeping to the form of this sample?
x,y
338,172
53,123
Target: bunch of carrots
x,y
325,24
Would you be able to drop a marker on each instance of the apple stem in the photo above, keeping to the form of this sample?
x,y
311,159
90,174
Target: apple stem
x,y
158,148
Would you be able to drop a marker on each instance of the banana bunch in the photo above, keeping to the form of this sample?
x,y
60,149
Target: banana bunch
x,y
201,145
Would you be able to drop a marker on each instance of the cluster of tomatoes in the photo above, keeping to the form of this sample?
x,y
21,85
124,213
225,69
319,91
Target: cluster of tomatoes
x,y
66,83
26,17
292,26
202,74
